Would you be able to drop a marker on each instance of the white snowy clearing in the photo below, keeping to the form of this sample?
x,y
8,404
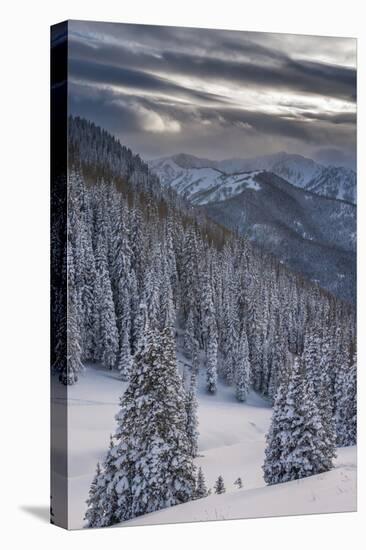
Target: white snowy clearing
x,y
231,443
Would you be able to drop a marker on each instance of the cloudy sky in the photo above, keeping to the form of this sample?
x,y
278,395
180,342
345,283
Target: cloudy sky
x,y
216,94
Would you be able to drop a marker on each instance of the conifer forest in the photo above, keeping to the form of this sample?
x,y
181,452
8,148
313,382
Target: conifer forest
x,y
203,274
202,372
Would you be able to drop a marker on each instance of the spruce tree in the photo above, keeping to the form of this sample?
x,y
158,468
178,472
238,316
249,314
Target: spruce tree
x,y
201,488
192,419
219,486
125,358
311,357
239,483
69,370
150,466
108,500
324,403
108,342
189,336
297,442
95,511
346,404
211,361
279,365
140,326
167,314
195,357
242,370
275,461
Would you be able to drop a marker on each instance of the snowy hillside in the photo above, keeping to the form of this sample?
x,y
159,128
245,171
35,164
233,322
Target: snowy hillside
x,y
332,492
330,181
148,273
335,182
296,169
201,185
232,445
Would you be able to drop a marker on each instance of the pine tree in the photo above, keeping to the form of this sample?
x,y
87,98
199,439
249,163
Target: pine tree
x,y
94,513
195,357
275,461
108,341
167,306
108,502
239,483
311,357
296,443
324,403
346,404
230,339
140,327
207,309
125,358
189,336
150,467
279,365
211,361
192,419
242,374
73,365
201,488
219,486
189,270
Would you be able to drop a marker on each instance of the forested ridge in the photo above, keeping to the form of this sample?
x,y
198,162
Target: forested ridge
x,y
146,273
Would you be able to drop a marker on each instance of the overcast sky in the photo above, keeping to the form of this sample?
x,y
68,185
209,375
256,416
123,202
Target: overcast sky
x,y
215,94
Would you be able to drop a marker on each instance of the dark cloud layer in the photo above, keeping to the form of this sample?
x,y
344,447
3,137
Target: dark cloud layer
x,y
221,93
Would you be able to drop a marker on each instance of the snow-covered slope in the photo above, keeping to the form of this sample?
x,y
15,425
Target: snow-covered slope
x,y
231,444
334,491
198,184
335,182
296,169
330,181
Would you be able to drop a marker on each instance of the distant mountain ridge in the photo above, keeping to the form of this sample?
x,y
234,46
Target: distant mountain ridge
x,y
331,181
310,233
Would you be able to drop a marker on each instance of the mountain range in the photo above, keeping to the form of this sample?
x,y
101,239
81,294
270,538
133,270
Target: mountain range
x,y
290,206
331,181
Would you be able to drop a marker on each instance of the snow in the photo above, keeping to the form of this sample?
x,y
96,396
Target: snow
x,y
201,184
333,181
231,444
334,491
252,184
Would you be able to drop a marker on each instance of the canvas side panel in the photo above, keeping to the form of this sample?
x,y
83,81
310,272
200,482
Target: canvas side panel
x,y
59,470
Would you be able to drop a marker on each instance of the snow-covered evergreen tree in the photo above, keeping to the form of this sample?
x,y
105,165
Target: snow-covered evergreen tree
x,y
239,483
201,488
95,511
189,336
242,370
125,358
140,326
69,371
346,404
108,341
324,403
219,486
275,460
150,467
211,361
296,443
192,417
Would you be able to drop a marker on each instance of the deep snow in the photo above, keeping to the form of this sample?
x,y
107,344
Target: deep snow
x,y
231,443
